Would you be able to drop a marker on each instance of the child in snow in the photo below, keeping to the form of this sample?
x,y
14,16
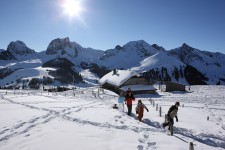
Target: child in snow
x,y
140,110
121,101
171,114
128,100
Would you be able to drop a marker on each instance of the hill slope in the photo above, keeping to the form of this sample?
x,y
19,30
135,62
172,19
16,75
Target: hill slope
x,y
43,120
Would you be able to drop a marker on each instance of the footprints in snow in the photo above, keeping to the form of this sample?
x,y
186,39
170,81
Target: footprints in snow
x,y
144,141
25,126
119,119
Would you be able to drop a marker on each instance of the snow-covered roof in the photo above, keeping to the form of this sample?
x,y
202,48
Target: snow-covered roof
x,y
118,78
139,88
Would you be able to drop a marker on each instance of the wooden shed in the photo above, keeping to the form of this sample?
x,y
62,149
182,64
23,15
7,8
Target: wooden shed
x,y
172,86
121,80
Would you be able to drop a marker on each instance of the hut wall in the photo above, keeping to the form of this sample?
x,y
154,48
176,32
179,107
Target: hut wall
x,y
171,86
144,92
136,81
111,88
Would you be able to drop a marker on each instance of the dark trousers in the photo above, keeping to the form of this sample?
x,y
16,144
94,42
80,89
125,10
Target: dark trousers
x,y
129,107
170,120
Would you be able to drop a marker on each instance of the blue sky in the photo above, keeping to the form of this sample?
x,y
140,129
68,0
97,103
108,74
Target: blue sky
x,y
103,24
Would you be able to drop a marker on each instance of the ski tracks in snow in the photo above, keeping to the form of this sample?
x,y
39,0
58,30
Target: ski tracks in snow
x,y
22,127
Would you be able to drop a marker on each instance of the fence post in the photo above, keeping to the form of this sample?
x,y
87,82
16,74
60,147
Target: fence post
x,y
153,103
208,118
98,91
156,107
191,146
160,111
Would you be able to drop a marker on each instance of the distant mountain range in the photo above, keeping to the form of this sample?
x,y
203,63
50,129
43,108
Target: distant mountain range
x,y
65,62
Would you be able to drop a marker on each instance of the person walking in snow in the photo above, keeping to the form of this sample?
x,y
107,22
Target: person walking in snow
x,y
128,90
140,110
121,101
171,114
128,100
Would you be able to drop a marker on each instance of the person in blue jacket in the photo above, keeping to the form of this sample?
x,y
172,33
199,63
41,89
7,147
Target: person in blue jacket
x,y
121,101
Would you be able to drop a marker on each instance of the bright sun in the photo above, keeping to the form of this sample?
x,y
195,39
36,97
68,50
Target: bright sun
x,y
72,8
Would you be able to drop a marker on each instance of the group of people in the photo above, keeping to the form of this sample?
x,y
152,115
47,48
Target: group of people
x,y
128,97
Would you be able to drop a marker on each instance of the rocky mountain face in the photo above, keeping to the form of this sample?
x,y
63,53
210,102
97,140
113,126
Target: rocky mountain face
x,y
6,55
64,72
59,46
14,50
19,48
71,50
184,64
211,65
159,48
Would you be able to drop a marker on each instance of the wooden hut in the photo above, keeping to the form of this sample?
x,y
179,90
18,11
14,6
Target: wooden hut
x,y
121,80
171,86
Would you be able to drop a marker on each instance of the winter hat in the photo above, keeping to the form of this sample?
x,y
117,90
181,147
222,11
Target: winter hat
x,y
177,103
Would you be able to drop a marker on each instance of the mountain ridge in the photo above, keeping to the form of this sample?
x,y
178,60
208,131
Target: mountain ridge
x,y
134,55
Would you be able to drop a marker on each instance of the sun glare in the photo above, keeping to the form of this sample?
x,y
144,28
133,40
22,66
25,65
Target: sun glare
x,y
72,8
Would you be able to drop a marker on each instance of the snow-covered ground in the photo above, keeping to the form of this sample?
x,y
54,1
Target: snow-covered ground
x,y
34,120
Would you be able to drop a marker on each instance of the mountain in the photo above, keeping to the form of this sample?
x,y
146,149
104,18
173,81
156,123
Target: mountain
x,y
6,55
160,48
65,62
14,50
212,65
19,48
127,56
61,62
73,51
65,72
161,66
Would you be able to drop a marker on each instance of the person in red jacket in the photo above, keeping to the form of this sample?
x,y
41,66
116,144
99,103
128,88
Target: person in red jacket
x,y
140,110
128,100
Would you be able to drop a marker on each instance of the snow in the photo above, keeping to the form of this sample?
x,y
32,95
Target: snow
x,y
119,78
157,61
127,57
89,77
37,120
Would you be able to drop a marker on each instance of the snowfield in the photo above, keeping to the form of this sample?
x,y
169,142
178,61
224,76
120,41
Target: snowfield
x,y
84,120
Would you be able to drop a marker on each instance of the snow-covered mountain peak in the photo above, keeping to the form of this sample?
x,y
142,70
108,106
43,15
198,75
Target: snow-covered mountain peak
x,y
136,43
159,48
58,45
19,48
186,53
158,60
140,44
127,56
64,48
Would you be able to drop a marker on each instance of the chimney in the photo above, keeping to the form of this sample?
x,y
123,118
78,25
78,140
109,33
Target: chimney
x,y
114,71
